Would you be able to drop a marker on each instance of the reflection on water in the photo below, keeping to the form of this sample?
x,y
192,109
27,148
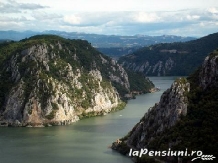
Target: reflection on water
x,y
85,141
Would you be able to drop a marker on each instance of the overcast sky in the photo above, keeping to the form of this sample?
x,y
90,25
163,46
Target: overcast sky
x,y
119,17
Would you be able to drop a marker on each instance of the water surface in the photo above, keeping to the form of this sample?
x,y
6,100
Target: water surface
x,y
85,141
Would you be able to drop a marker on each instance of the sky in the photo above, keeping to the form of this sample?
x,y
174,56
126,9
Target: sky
x,y
112,17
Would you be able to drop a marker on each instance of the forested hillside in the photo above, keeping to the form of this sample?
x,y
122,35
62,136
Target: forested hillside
x,y
171,59
185,118
49,80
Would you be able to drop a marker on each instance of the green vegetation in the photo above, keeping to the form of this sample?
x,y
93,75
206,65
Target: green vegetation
x,y
139,83
5,85
146,159
63,56
54,106
116,52
51,115
120,106
188,56
197,130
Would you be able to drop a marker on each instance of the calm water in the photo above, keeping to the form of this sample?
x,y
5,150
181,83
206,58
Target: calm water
x,y
85,141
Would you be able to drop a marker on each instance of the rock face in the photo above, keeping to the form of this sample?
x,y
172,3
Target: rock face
x,y
47,80
122,78
208,75
184,118
170,59
165,114
160,68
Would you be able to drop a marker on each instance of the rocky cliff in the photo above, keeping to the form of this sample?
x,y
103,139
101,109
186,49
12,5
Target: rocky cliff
x,y
159,68
48,80
208,75
170,59
185,117
163,115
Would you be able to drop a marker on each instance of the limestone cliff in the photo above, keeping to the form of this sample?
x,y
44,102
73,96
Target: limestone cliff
x,y
185,117
170,59
163,115
208,76
48,80
159,68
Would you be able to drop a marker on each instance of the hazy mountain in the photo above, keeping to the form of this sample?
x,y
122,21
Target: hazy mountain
x,y
170,58
100,41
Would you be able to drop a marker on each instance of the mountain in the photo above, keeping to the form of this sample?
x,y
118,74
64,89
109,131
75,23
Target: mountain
x,y
100,41
15,35
48,80
170,59
117,52
4,41
185,119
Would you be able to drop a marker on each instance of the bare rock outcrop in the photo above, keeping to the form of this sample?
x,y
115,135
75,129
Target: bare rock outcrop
x,y
163,115
209,72
48,90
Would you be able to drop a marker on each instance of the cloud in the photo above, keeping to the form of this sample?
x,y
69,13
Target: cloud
x,y
95,18
144,17
213,10
73,19
136,18
110,18
12,6
44,16
13,19
13,25
61,16
192,17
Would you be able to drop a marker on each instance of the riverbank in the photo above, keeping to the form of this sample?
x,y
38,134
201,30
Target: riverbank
x,y
84,141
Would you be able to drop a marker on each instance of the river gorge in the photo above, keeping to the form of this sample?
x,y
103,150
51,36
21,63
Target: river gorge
x,y
86,141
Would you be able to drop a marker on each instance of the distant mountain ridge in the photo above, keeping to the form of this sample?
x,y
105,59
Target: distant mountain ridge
x,y
170,59
99,40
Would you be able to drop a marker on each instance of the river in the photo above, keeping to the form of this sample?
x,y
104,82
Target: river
x,y
85,141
